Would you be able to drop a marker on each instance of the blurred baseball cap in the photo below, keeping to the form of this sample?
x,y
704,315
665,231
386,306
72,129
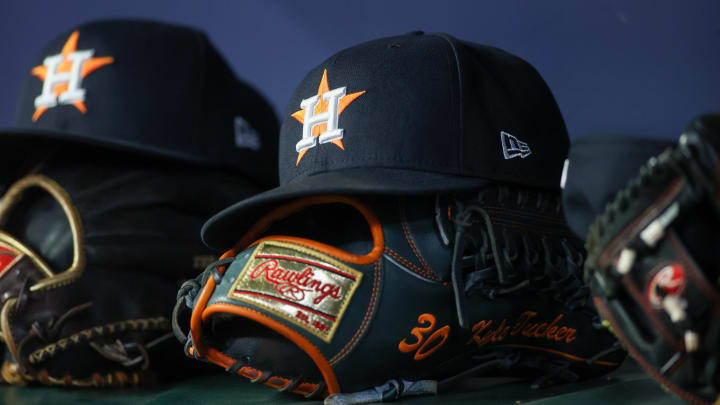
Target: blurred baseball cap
x,y
598,166
411,114
145,87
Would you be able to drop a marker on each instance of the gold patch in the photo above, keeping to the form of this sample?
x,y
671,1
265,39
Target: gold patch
x,y
303,286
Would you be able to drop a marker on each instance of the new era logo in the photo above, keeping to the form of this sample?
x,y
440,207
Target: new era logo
x,y
245,135
513,147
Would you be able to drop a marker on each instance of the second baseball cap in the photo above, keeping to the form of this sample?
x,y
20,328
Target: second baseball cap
x,y
407,115
598,166
157,89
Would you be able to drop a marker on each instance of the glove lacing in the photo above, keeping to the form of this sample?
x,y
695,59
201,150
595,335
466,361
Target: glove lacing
x,y
189,291
479,264
49,333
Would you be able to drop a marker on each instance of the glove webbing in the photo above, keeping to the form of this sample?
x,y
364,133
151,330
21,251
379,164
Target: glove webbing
x,y
480,263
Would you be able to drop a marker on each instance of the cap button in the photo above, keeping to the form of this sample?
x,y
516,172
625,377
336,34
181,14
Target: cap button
x,y
416,33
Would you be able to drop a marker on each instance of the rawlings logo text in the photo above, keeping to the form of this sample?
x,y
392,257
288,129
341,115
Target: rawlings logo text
x,y
303,287
293,284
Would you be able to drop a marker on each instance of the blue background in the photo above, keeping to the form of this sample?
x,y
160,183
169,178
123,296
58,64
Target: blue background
x,y
642,67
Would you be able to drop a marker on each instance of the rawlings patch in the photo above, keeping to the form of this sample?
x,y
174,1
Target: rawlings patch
x,y
670,280
301,285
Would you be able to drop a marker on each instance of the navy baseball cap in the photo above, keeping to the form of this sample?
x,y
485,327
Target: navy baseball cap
x,y
598,166
151,88
412,114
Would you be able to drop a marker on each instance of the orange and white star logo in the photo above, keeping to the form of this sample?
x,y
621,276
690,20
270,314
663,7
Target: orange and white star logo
x,y
319,116
62,76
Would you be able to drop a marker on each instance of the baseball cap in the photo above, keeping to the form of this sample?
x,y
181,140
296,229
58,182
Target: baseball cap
x,y
147,87
411,114
598,166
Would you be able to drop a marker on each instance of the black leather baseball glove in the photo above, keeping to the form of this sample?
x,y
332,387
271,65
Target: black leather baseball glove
x,y
398,296
91,256
653,264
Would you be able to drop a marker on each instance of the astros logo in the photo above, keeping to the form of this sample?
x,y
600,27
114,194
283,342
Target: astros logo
x,y
319,116
62,76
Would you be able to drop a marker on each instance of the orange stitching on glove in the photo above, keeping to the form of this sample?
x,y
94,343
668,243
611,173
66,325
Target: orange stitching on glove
x,y
366,319
406,230
321,247
304,388
305,345
286,210
410,265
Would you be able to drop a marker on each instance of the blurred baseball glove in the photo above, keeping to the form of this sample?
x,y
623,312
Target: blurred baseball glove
x,y
398,296
91,254
653,264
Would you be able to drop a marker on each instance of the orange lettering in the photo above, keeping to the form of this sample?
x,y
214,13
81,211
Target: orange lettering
x,y
500,332
560,334
522,321
483,334
541,330
423,351
553,328
529,330
418,332
477,329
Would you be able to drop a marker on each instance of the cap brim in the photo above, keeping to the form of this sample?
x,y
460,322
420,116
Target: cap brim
x,y
28,138
226,227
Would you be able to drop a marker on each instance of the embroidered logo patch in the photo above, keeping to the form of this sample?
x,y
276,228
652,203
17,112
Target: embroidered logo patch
x,y
670,280
513,147
62,76
319,116
301,285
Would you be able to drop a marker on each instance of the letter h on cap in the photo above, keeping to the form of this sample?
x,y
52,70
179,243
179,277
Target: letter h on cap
x,y
73,78
330,117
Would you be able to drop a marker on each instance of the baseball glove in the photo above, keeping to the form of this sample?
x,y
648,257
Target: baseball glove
x,y
653,265
91,256
398,296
